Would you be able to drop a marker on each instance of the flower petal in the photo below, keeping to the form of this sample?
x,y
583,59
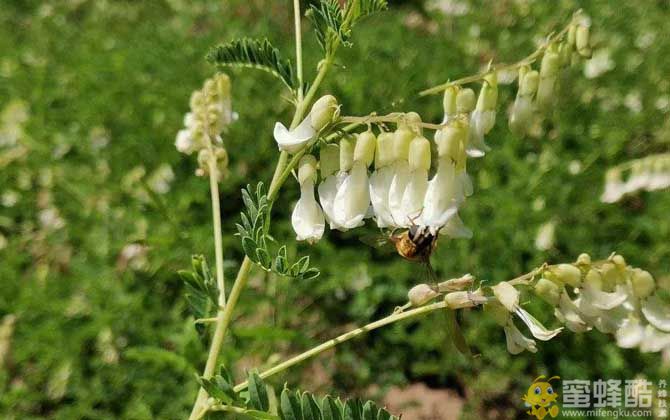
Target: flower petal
x,y
307,218
516,341
352,199
292,141
536,328
604,300
397,191
507,295
657,313
630,334
380,184
654,340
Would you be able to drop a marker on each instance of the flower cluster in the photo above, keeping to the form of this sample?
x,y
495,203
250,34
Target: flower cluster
x,y
610,296
391,176
650,173
210,113
536,89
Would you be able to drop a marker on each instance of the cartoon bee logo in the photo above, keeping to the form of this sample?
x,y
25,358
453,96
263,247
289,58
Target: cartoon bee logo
x,y
541,398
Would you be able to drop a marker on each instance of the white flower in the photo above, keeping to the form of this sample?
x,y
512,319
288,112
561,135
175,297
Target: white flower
x,y
184,142
402,139
654,340
516,341
443,196
307,218
657,313
352,199
630,334
293,140
380,181
615,188
536,328
568,313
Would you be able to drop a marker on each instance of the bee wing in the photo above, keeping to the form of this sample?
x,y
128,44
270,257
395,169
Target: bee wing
x,y
379,242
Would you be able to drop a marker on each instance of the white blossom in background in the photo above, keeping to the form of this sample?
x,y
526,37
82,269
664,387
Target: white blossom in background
x,y
650,173
546,234
307,219
484,116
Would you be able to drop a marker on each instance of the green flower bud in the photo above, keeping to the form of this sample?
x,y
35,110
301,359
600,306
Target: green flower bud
x,y
584,259
548,291
594,279
323,111
451,141
449,100
421,294
548,74
307,169
384,154
346,154
643,283
488,95
564,54
572,36
582,41
365,148
329,159
619,261
612,276
419,154
204,157
529,83
465,101
568,274
413,121
402,137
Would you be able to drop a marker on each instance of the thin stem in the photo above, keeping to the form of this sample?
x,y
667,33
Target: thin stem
x,y
346,337
393,117
216,217
298,46
503,67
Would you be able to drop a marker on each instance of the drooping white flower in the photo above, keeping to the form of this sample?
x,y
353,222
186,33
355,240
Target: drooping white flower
x,y
401,173
536,328
380,181
516,341
654,340
352,199
446,190
522,110
417,182
331,180
630,334
184,142
483,118
321,114
292,141
307,218
657,312
568,313
548,75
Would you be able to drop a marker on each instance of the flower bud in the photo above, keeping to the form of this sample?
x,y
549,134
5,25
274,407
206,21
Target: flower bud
x,y
413,121
488,95
465,101
643,283
548,75
582,41
365,148
329,159
568,274
449,101
384,153
307,169
548,291
619,261
419,154
564,54
594,279
452,285
611,276
529,83
507,295
464,299
323,111
572,36
401,140
451,141
584,259
346,154
204,156
421,294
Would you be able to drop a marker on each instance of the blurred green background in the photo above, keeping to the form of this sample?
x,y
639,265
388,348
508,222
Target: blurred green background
x,y
98,210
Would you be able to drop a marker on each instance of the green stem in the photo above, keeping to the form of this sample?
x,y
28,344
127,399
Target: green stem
x,y
346,337
298,46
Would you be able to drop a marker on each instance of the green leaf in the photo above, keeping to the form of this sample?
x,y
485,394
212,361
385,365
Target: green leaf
x,y
331,409
310,408
289,408
366,8
253,53
258,395
353,410
369,411
260,415
201,290
327,18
